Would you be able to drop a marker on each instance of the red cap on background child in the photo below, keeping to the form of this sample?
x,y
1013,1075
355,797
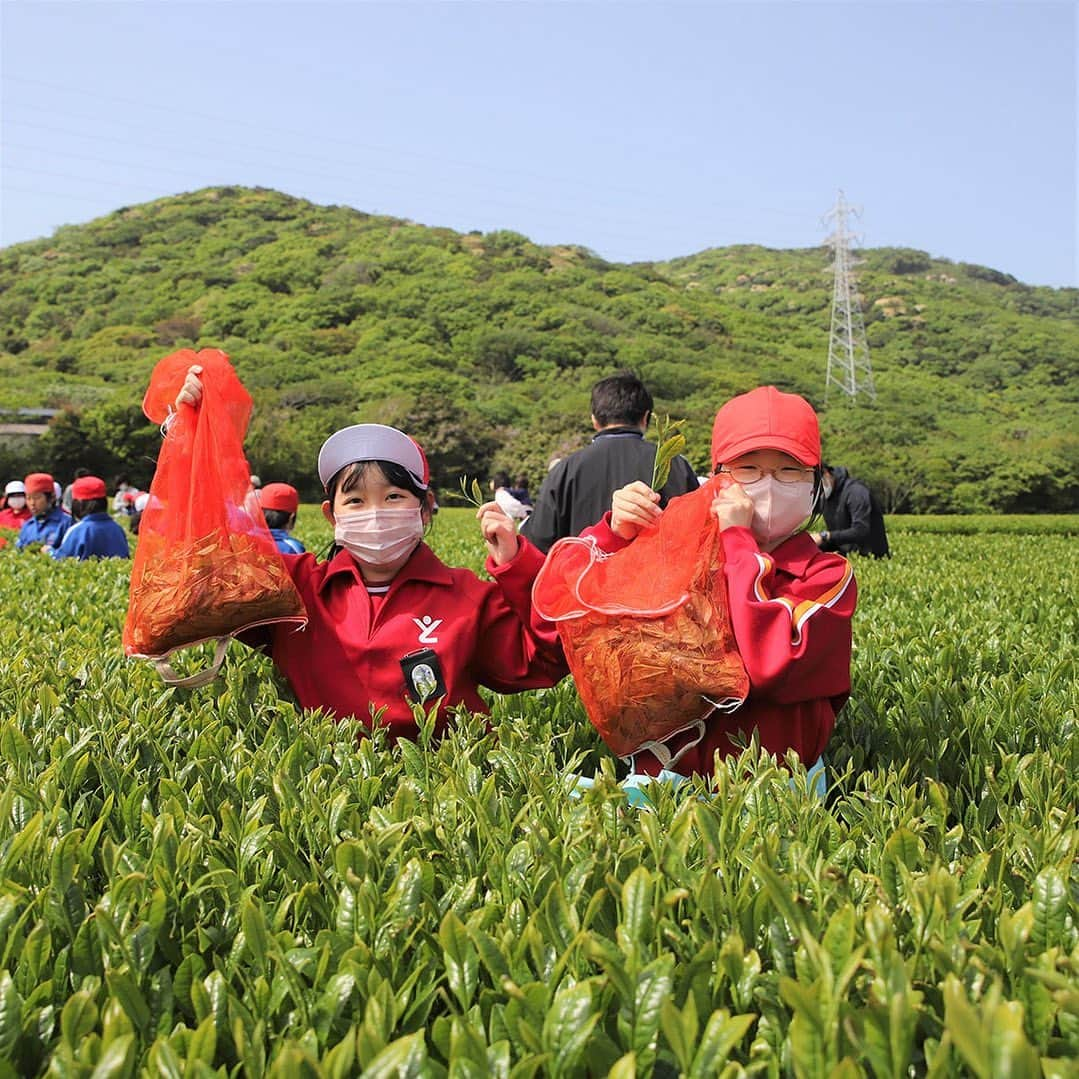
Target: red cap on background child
x,y
39,483
766,419
86,488
279,496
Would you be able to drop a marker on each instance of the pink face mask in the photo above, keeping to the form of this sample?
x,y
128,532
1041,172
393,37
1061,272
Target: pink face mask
x,y
379,537
779,509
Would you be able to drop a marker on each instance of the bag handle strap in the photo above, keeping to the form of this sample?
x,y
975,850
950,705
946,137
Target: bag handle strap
x,y
662,752
200,678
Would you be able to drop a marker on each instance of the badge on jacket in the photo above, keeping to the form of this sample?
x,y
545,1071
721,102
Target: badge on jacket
x,y
423,676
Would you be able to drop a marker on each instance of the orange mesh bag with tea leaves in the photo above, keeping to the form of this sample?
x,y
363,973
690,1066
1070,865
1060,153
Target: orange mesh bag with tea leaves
x,y
646,630
206,566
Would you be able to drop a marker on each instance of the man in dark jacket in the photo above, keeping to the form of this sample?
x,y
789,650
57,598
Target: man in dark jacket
x,y
853,515
577,491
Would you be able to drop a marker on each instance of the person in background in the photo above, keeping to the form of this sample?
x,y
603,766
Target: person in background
x,y
142,500
65,498
790,604
256,483
95,534
519,490
280,502
853,515
390,626
121,504
49,523
508,502
14,512
577,491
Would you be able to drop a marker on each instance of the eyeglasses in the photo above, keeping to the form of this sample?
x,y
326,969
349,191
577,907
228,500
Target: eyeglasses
x,y
752,473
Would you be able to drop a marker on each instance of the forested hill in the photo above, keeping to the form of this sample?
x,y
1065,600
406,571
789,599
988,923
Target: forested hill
x,y
484,346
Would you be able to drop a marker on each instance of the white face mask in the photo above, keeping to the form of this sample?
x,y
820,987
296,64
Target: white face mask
x,y
379,537
16,502
827,487
779,509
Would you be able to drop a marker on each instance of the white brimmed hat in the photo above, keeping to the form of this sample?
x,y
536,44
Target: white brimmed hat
x,y
372,442
15,487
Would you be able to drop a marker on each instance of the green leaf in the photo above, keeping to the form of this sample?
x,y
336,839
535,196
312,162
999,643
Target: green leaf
x,y
202,1044
291,1062
78,1018
637,905
339,1062
1050,908
10,1015
256,934
460,958
125,989
965,1028
1009,1051
472,491
117,1058
568,1026
653,989
402,1059
721,1034
680,1027
164,1061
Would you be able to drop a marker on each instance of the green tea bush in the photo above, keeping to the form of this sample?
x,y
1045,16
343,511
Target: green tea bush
x,y
212,882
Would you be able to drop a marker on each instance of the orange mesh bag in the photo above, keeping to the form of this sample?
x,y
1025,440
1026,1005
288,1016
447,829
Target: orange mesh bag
x,y
646,630
206,566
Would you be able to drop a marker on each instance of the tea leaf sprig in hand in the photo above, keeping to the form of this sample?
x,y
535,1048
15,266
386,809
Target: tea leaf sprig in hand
x,y
473,492
671,443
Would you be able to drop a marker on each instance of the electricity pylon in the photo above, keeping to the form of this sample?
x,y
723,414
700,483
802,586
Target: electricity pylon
x,y
848,350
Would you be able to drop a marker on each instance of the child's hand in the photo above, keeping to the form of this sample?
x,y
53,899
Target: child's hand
x,y
733,507
191,391
633,508
498,533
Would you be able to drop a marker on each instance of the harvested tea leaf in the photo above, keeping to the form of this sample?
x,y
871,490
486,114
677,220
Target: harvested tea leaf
x,y
671,443
473,492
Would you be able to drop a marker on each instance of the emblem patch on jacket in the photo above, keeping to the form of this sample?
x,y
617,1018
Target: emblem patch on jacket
x,y
427,627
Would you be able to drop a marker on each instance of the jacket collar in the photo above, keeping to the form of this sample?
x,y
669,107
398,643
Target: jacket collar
x,y
424,565
628,429
793,555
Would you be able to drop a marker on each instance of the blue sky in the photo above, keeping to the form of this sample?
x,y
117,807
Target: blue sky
x,y
641,130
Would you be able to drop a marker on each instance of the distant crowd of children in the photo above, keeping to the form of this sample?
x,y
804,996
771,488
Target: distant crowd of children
x,y
75,521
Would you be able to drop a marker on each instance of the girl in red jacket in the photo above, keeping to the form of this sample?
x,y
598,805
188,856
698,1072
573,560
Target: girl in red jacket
x,y
389,625
790,603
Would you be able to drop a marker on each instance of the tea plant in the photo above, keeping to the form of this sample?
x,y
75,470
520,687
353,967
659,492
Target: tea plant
x,y
212,882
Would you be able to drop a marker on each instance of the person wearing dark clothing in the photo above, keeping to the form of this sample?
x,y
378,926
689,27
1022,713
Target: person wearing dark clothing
x,y
577,491
520,491
854,518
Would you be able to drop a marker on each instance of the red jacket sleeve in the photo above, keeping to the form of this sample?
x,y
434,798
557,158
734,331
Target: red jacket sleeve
x,y
517,649
605,539
791,614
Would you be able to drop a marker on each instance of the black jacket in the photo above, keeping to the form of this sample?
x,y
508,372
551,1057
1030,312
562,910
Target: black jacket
x,y
854,518
576,493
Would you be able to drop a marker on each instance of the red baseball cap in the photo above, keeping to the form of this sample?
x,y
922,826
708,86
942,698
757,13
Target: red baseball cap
x,y
87,487
39,483
766,419
372,442
279,496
